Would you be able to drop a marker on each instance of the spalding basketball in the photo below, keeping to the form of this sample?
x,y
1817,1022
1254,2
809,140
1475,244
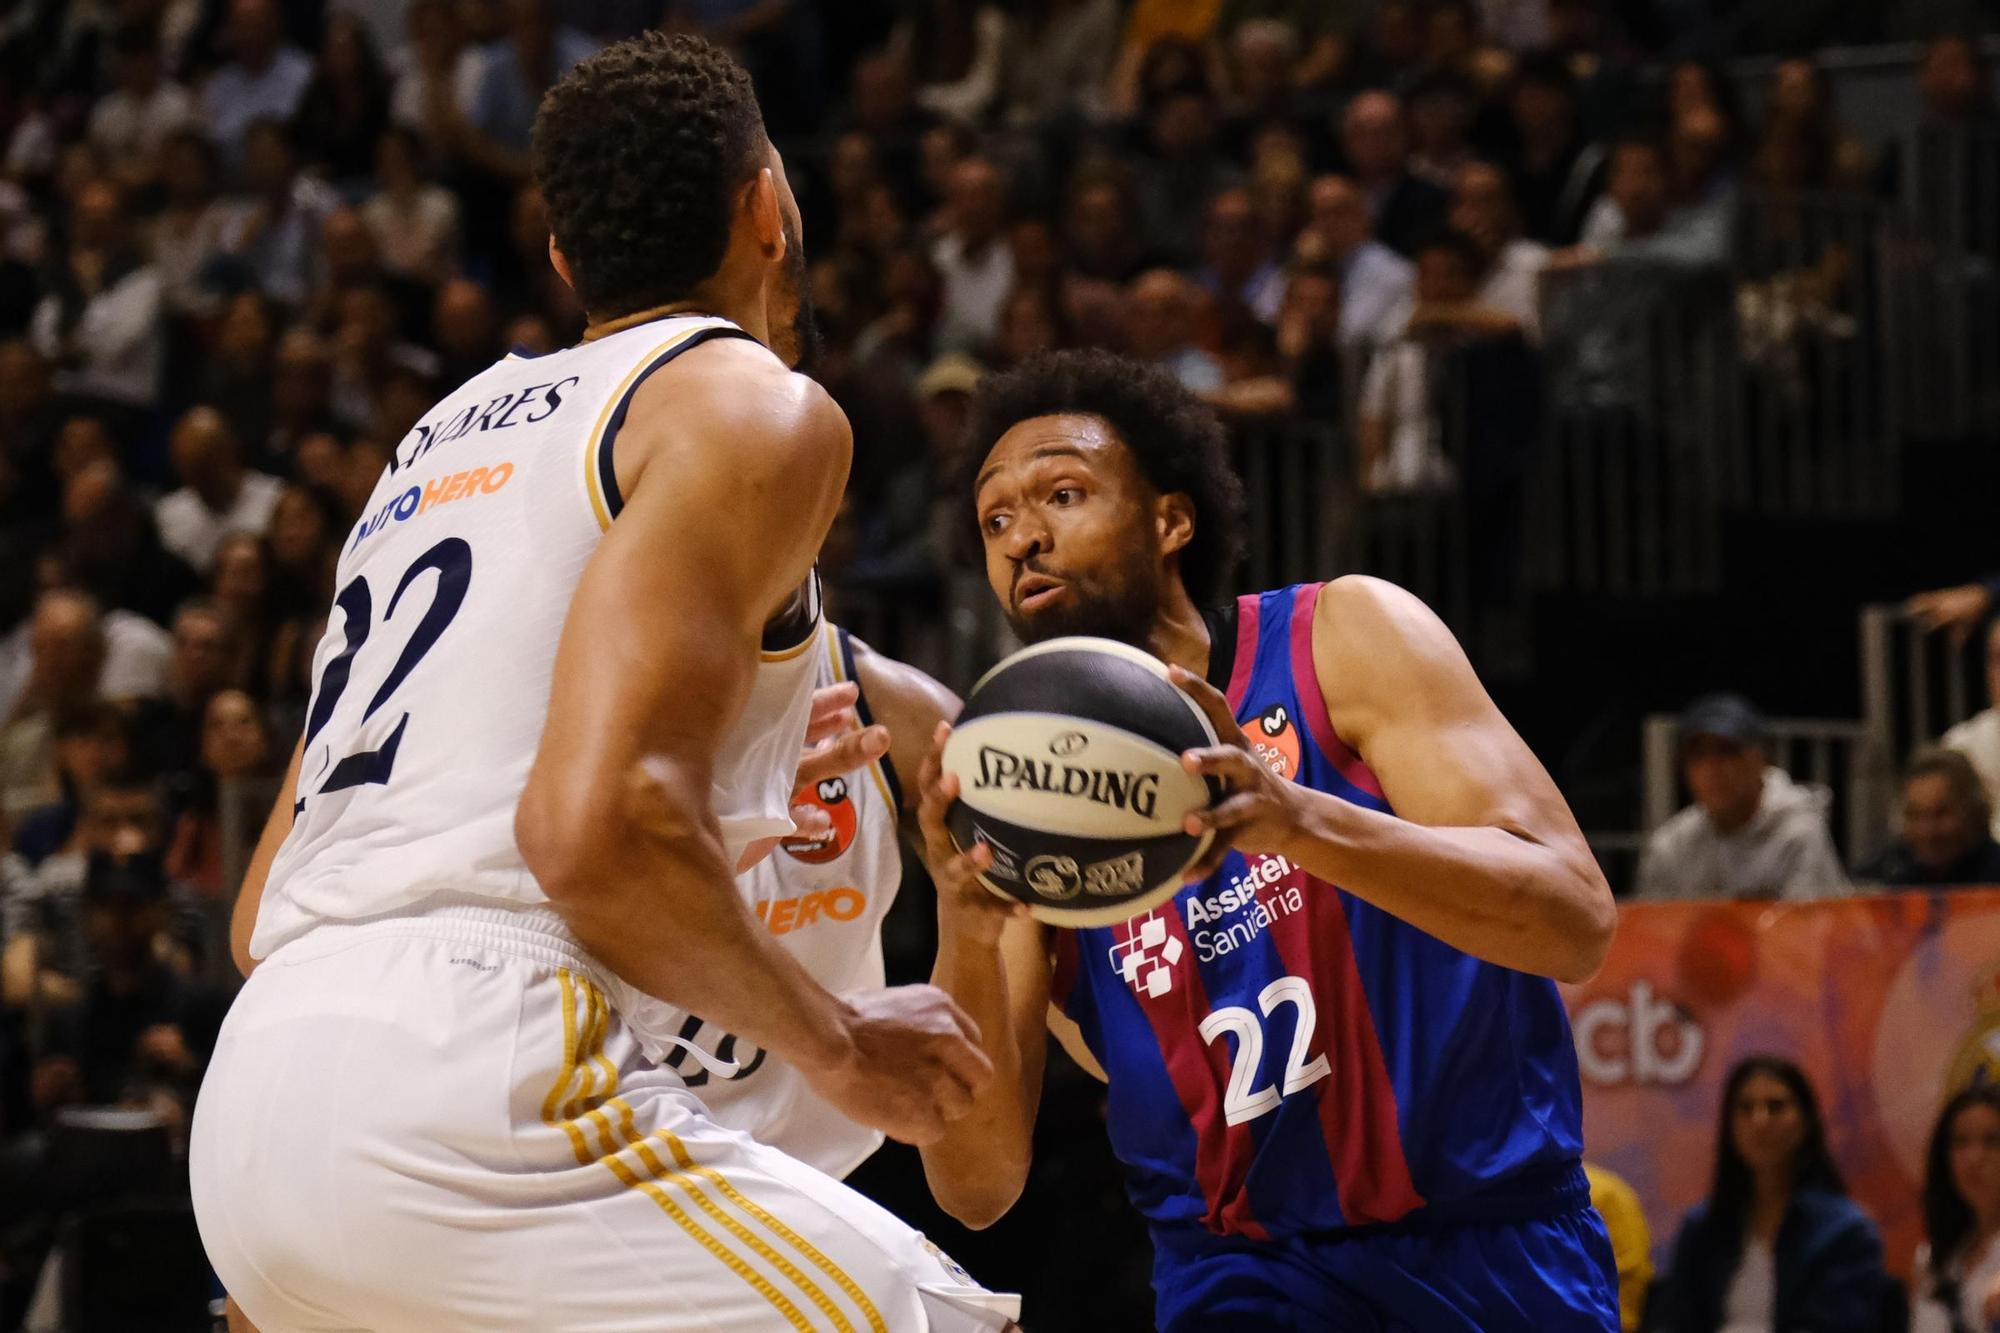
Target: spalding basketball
x,y
1068,762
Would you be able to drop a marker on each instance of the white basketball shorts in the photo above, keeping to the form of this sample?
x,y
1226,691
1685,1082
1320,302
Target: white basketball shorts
x,y
437,1123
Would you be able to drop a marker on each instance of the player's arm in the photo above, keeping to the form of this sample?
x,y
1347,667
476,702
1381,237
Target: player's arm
x,y
250,896
994,960
732,477
1485,856
978,1169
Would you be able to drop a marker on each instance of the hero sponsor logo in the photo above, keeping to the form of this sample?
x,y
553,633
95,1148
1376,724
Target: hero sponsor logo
x,y
1224,921
437,491
784,915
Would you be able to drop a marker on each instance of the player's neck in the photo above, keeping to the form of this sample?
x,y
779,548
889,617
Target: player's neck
x,y
1179,635
753,324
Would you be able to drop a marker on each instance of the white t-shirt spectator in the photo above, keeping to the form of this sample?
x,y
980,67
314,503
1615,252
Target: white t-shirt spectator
x,y
183,248
1929,1313
192,531
128,126
415,237
974,292
117,339
1978,739
1377,290
1514,284
1396,392
235,98
136,656
1785,851
406,102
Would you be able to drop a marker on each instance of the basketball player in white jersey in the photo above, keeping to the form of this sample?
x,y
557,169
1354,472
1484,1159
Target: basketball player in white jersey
x,y
824,896
559,703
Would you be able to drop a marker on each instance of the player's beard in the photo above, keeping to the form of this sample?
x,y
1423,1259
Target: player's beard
x,y
806,344
1122,602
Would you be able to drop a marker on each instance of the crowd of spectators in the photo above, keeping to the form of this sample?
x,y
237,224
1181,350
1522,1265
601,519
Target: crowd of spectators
x,y
245,244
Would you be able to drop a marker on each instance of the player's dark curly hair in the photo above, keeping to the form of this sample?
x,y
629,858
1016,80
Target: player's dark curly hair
x,y
639,152
1177,440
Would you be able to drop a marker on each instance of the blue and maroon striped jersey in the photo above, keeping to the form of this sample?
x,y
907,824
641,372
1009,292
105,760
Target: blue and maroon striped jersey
x,y
1286,1059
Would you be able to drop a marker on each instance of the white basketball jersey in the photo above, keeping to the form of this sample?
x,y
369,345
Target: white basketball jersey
x,y
431,685
824,900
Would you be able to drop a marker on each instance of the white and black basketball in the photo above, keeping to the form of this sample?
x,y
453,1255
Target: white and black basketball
x,y
1068,761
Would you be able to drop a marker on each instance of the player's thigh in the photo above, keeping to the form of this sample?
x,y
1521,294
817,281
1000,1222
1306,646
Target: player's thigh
x,y
748,1236
1251,1290
1552,1275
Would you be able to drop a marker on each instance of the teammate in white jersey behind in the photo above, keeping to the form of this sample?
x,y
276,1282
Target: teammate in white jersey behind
x,y
558,705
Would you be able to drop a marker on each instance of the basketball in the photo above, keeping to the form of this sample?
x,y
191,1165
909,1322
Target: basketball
x,y
1068,761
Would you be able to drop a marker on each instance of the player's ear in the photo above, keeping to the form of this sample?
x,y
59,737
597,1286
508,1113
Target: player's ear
x,y
767,218
1173,520
560,262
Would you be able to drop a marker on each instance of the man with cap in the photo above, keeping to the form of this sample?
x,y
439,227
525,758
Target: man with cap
x,y
1752,832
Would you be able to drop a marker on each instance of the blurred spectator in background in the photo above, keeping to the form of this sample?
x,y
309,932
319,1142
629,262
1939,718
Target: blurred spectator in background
x,y
1803,146
538,50
1947,836
187,233
1956,1273
1777,1244
953,51
1403,210
90,745
465,330
1184,168
67,643
1057,56
46,955
1442,106
1978,737
1639,219
1377,285
1558,172
1510,265
345,109
235,748
438,72
973,259
1399,430
1159,328
137,1014
275,229
263,79
131,123
413,219
1238,272
166,731
1631,1241
1751,832
217,495
1106,237
101,324
111,547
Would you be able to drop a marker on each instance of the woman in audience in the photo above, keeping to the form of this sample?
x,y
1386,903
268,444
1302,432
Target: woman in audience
x,y
1957,1269
240,584
1777,1246
235,748
346,106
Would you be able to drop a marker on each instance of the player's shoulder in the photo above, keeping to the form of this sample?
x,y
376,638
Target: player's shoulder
x,y
731,404
890,685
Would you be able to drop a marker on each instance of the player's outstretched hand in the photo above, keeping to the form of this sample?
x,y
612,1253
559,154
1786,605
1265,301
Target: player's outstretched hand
x,y
916,1063
836,742
1258,811
966,908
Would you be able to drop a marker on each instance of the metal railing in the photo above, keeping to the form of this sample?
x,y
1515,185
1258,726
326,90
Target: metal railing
x,y
1914,684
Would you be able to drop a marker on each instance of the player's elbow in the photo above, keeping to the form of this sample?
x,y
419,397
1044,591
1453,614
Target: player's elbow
x,y
976,1199
558,829
1592,923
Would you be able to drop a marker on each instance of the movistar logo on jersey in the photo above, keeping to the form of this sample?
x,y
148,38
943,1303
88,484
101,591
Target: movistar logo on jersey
x,y
1124,790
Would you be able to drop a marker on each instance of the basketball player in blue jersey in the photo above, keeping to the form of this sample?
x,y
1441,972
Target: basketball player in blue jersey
x,y
1341,1080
